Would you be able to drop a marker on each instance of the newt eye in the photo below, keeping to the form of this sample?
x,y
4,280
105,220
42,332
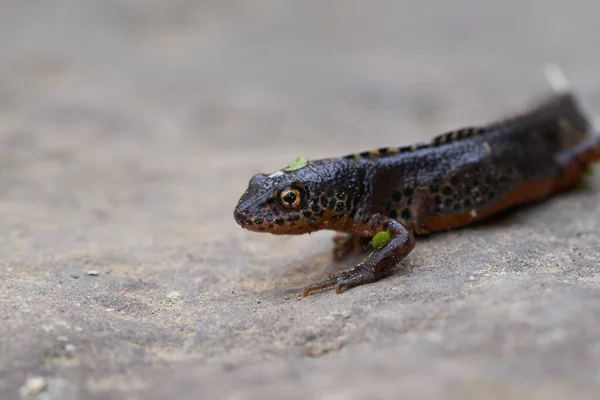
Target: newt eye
x,y
290,198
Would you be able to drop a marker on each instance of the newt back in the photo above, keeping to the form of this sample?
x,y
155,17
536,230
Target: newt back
x,y
471,173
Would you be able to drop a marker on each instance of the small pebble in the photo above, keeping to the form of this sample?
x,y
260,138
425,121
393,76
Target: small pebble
x,y
62,323
93,272
70,347
36,385
174,295
319,350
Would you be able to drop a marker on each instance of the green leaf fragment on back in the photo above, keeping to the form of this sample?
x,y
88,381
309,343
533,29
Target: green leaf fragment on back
x,y
584,184
300,162
381,239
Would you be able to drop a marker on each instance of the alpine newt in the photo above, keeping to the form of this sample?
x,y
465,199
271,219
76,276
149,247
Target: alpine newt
x,y
457,178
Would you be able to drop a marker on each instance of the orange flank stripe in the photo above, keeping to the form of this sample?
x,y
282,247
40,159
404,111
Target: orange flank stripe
x,y
522,194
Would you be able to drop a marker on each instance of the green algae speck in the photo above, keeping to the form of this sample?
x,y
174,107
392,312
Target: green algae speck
x,y
300,162
381,239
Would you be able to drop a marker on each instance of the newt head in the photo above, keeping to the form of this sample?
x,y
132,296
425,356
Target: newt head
x,y
319,195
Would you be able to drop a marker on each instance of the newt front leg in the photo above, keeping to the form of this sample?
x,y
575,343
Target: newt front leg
x,y
378,263
347,244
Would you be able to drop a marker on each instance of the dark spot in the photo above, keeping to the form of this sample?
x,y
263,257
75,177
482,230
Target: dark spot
x,y
365,220
386,225
467,203
433,188
383,151
448,202
491,195
334,218
332,203
456,207
438,200
324,201
393,214
258,221
447,190
307,214
408,192
271,226
364,154
280,221
261,228
315,208
396,196
292,224
321,212
406,213
453,180
475,182
294,217
484,190
339,207
329,193
269,217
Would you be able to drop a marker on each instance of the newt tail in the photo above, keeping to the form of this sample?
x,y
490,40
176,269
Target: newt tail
x,y
456,179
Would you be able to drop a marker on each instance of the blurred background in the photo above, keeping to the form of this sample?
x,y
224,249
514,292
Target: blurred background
x,y
129,129
325,76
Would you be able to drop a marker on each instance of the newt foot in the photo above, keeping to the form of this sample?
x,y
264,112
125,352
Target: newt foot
x,y
344,280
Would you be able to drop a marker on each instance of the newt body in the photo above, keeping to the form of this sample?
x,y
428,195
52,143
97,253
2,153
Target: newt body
x,y
458,178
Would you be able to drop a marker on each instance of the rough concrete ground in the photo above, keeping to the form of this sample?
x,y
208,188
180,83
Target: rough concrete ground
x,y
129,129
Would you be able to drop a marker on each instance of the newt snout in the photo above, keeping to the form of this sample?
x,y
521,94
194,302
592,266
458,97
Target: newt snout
x,y
241,218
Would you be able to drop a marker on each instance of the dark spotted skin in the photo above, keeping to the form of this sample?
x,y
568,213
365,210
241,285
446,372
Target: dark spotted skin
x,y
458,178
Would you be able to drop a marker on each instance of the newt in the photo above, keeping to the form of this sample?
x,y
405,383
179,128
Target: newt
x,y
458,178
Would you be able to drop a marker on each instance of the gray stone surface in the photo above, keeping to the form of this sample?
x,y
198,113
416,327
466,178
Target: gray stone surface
x,y
128,130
